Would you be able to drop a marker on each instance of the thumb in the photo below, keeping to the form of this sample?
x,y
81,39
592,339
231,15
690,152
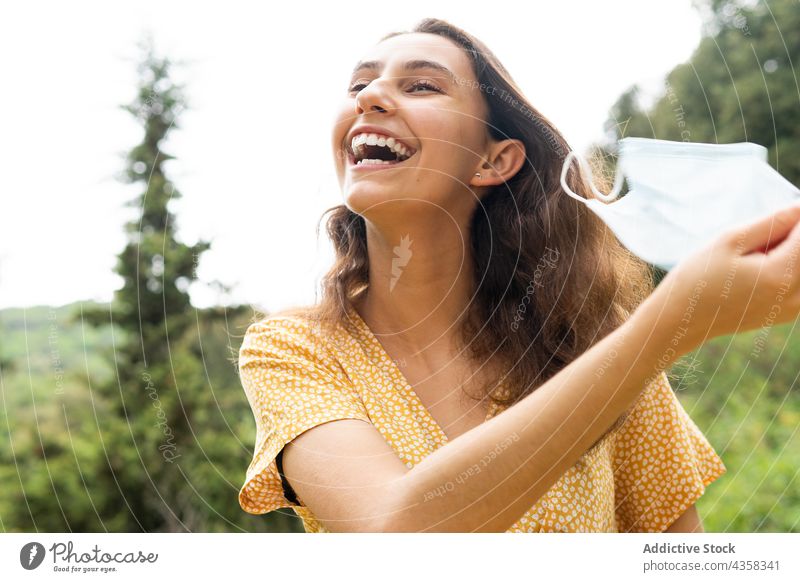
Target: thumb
x,y
767,232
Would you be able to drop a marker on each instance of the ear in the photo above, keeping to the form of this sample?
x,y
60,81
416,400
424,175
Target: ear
x,y
503,161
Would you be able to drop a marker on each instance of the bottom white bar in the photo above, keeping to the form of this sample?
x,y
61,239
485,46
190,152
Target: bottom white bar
x,y
415,557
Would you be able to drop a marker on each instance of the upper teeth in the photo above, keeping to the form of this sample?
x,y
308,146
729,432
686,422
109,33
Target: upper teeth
x,y
380,140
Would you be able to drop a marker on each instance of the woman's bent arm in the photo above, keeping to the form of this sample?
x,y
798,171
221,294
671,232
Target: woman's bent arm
x,y
487,478
472,484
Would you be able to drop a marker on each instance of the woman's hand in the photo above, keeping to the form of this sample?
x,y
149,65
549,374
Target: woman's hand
x,y
747,278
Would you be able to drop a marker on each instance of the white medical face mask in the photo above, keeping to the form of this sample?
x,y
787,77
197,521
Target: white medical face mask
x,y
683,195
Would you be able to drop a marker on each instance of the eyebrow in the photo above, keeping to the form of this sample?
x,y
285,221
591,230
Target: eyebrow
x,y
408,66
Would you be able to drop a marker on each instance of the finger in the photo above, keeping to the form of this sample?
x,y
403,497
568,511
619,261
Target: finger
x,y
766,233
788,250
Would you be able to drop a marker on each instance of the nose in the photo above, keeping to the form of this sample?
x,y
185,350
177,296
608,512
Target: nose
x,y
374,97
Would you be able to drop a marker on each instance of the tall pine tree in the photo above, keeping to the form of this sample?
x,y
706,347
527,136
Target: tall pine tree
x,y
147,420
175,429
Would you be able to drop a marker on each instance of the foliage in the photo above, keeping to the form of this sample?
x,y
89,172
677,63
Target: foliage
x,y
739,85
130,416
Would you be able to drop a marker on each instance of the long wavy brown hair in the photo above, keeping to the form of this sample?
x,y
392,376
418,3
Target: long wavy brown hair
x,y
550,278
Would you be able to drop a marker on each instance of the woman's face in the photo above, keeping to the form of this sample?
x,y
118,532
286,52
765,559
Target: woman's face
x,y
418,89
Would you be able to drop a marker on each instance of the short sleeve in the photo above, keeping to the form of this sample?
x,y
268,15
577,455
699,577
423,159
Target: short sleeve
x,y
293,383
662,461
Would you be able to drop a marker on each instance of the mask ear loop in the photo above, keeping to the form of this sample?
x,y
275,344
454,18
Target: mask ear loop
x,y
610,197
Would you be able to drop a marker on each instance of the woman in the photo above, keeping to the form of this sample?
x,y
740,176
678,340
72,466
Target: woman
x,y
486,356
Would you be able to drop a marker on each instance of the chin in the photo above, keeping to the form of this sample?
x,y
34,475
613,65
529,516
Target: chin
x,y
380,204
369,199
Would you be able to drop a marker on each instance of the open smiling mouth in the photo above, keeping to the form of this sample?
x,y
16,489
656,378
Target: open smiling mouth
x,y
376,150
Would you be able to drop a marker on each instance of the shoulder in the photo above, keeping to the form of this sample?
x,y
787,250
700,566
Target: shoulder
x,y
657,394
656,420
286,363
296,320
653,402
289,333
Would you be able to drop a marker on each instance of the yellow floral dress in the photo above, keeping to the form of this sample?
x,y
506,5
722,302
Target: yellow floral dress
x,y
641,476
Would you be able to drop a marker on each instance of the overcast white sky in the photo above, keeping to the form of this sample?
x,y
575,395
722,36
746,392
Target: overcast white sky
x,y
253,160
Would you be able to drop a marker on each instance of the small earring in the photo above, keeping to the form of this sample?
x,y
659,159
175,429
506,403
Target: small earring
x,y
477,174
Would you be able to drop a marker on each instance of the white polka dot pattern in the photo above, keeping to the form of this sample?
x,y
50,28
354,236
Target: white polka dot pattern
x,y
641,476
662,462
292,386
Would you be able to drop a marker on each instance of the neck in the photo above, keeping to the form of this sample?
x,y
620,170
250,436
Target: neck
x,y
420,283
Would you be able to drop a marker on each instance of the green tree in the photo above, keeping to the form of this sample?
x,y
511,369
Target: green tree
x,y
171,451
739,85
142,434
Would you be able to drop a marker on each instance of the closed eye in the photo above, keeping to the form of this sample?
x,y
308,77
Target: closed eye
x,y
356,87
422,83
426,85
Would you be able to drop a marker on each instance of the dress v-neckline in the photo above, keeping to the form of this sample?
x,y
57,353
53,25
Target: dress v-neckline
x,y
390,366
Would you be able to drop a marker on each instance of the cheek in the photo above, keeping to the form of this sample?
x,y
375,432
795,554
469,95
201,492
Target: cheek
x,y
449,155
453,140
472,133
440,143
